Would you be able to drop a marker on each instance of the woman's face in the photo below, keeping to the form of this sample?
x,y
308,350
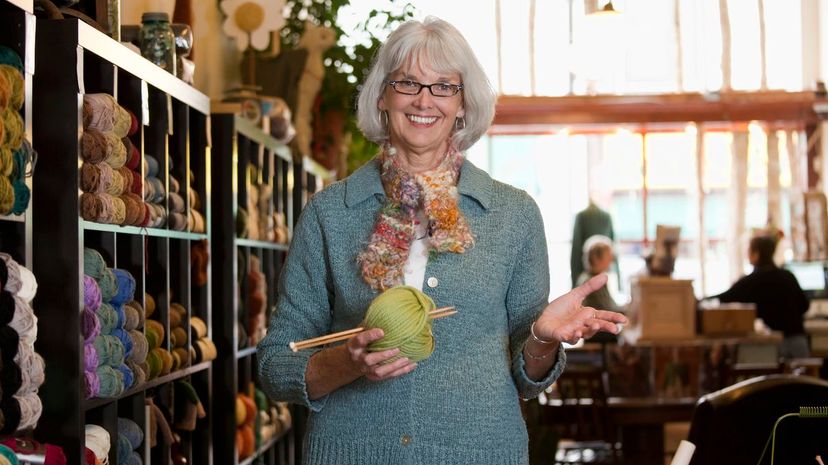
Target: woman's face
x,y
421,124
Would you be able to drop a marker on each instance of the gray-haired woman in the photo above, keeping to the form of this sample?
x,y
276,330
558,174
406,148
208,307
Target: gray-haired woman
x,y
422,214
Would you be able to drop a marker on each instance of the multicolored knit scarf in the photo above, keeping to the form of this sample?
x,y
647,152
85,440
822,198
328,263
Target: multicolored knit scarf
x,y
435,192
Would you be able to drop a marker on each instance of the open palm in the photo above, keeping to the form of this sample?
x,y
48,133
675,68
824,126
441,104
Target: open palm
x,y
566,320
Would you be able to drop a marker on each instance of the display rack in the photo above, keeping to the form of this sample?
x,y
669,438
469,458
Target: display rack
x,y
73,58
237,146
17,31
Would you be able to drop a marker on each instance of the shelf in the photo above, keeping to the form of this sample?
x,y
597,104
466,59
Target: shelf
x,y
178,374
253,132
264,448
25,5
262,244
134,230
246,352
112,51
13,218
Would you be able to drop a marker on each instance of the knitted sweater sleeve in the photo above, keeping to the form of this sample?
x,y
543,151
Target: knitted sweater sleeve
x,y
303,311
527,296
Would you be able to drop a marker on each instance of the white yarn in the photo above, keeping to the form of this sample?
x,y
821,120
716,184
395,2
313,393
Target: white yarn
x,y
97,440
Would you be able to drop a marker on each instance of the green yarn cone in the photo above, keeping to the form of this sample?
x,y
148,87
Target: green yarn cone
x,y
402,313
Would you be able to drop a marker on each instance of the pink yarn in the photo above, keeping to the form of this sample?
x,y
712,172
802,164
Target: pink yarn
x,y
90,357
90,326
92,385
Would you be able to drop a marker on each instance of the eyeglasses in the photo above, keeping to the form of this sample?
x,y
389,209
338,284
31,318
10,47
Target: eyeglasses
x,y
438,89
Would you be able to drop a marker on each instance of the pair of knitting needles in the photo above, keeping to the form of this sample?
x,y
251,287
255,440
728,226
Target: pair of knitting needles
x,y
441,312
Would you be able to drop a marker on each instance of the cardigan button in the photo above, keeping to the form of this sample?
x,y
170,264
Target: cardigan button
x,y
432,282
405,440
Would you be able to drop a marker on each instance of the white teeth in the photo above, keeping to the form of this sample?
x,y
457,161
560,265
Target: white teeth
x,y
422,119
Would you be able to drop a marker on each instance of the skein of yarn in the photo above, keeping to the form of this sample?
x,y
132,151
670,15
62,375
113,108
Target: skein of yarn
x,y
93,263
402,313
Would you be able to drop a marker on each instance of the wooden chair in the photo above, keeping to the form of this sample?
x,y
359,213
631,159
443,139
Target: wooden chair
x,y
581,416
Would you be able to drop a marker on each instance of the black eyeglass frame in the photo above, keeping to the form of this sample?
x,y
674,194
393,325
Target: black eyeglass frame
x,y
457,87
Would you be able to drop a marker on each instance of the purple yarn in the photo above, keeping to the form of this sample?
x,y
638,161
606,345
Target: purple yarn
x,y
90,326
129,378
90,357
92,385
126,287
126,341
91,293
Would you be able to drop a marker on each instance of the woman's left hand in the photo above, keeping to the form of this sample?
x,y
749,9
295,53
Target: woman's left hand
x,y
565,320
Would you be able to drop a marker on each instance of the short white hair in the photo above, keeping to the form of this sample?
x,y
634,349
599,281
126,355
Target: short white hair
x,y
437,45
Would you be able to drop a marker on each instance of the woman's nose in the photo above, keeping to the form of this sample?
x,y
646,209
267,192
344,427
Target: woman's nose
x,y
424,99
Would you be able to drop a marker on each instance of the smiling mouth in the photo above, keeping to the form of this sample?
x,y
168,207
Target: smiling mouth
x,y
421,119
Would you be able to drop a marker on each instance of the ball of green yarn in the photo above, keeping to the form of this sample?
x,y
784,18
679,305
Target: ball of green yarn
x,y
107,317
402,313
93,263
108,285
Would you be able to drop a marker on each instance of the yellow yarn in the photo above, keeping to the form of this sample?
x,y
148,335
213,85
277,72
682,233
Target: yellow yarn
x,y
402,313
14,81
6,196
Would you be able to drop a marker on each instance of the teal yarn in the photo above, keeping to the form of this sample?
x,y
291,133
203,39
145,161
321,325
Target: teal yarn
x,y
11,58
110,351
124,449
22,194
9,454
108,318
121,316
112,381
108,285
131,431
126,341
93,264
126,287
402,313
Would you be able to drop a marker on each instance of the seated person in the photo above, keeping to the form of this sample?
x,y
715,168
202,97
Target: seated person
x,y
779,300
597,259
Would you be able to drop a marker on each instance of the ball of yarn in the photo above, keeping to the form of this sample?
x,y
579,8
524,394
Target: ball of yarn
x,y
118,212
108,318
134,304
131,318
134,209
14,128
140,346
32,369
124,448
102,112
177,314
112,381
90,326
6,156
5,92
90,357
176,202
180,336
158,331
91,293
30,410
133,155
149,305
133,125
126,341
110,351
22,194
402,313
166,361
11,58
93,263
126,287
8,456
154,364
91,384
131,431
182,355
95,178
6,196
15,82
138,371
127,375
108,284
199,327
151,169
98,441
178,221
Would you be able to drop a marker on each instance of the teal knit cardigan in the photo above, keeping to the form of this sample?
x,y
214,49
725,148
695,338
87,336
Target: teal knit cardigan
x,y
461,405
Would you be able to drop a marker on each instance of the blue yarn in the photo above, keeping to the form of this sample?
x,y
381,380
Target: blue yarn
x,y
126,287
131,431
152,166
124,449
126,341
11,58
129,377
135,459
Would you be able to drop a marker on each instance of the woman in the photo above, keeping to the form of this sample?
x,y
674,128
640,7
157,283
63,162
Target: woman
x,y
420,214
597,258
780,302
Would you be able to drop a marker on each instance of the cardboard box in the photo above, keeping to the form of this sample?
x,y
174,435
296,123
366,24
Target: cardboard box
x,y
734,319
663,308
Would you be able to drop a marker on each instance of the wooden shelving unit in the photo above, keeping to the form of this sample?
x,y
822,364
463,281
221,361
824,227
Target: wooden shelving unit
x,y
238,144
72,58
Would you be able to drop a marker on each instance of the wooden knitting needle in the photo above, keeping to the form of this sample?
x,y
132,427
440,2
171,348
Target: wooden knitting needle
x,y
342,335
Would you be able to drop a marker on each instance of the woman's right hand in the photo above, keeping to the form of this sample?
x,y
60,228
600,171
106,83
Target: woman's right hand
x,y
370,364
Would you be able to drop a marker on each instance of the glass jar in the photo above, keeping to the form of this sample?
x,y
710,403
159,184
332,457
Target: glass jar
x,y
157,41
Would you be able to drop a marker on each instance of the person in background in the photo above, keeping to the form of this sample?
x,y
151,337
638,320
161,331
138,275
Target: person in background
x,y
780,302
598,258
589,222
422,215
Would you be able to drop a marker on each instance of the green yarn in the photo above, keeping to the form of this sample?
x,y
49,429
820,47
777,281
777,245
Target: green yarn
x,y
112,381
93,264
107,317
110,351
108,285
402,313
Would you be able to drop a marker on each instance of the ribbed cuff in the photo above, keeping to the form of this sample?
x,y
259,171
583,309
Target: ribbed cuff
x,y
529,388
284,376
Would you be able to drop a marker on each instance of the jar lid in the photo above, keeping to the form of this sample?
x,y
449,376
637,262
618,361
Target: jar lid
x,y
155,16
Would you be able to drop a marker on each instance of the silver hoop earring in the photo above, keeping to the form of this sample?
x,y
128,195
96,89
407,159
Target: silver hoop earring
x,y
460,123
